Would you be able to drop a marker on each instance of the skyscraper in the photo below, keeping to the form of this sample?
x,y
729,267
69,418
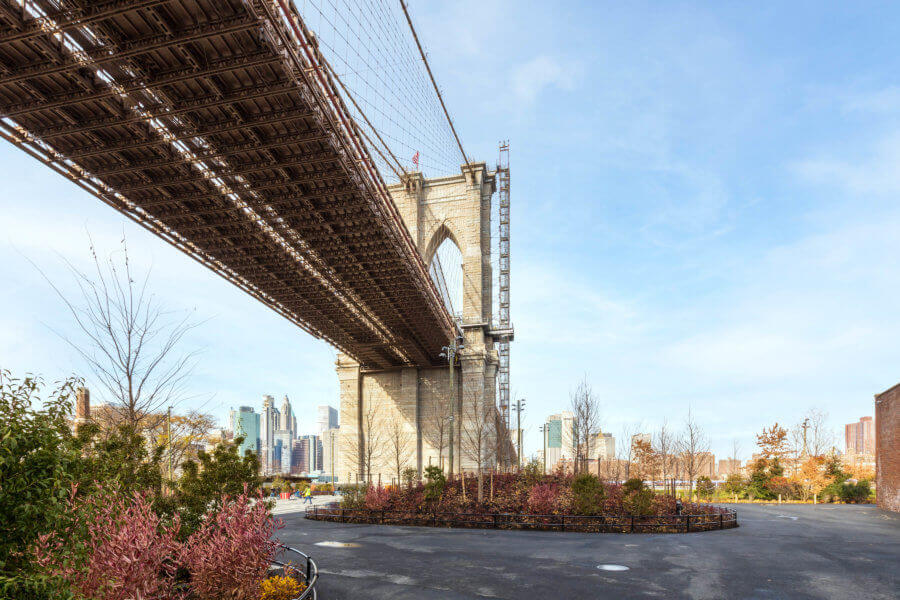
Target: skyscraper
x,y
604,446
270,424
288,419
560,441
859,438
308,454
283,450
328,419
245,423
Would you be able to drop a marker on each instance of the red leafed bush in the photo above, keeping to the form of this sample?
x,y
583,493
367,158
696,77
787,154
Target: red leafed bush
x,y
229,555
115,547
126,550
378,498
542,499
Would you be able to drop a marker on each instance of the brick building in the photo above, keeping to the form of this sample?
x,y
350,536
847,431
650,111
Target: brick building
x,y
887,448
729,466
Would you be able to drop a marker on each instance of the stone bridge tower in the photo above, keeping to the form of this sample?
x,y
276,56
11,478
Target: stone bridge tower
x,y
405,412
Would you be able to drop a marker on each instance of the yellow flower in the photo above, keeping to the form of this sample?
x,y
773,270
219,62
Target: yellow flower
x,y
281,588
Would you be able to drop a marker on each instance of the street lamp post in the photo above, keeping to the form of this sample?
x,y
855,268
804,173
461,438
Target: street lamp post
x,y
520,404
544,429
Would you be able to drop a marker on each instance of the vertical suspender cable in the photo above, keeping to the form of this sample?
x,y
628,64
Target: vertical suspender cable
x,y
433,82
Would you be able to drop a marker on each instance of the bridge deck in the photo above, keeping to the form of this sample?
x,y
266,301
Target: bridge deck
x,y
211,123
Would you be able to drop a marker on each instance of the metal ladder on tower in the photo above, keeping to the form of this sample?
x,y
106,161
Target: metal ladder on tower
x,y
504,334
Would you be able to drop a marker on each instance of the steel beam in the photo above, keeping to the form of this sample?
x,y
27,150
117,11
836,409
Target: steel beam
x,y
204,156
184,133
169,78
70,18
164,111
104,55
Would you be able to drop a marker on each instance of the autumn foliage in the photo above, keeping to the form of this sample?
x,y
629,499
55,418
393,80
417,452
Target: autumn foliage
x,y
116,547
123,551
521,493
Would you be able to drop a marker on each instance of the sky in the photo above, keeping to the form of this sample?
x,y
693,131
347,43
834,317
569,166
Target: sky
x,y
704,218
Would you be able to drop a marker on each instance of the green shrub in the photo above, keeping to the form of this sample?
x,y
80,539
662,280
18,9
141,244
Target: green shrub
x,y
40,461
705,487
855,493
353,496
35,586
632,485
121,459
734,484
409,476
639,502
587,494
434,484
202,485
831,492
532,473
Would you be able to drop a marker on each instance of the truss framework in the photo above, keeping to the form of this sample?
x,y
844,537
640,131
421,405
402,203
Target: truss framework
x,y
504,333
213,124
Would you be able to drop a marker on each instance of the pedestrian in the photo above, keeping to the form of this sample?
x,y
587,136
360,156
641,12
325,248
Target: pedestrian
x,y
678,506
307,495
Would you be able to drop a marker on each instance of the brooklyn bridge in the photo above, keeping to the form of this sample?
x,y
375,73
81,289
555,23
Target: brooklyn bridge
x,y
242,135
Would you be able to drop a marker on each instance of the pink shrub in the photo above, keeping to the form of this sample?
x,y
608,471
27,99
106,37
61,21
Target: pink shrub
x,y
126,553
542,499
229,555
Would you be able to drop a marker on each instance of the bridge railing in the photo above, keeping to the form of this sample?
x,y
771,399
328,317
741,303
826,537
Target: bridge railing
x,y
309,571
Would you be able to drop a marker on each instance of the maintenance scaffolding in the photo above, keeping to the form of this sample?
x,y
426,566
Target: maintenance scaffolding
x,y
503,333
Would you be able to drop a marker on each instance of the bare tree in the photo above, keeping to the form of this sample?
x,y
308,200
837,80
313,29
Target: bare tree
x,y
735,451
478,429
437,424
664,443
586,413
130,341
694,449
400,444
370,446
819,438
503,450
625,450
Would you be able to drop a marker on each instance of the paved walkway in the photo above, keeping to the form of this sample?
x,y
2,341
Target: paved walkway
x,y
789,551
292,506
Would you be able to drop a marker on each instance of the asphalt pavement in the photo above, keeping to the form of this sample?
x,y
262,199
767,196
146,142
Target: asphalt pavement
x,y
779,551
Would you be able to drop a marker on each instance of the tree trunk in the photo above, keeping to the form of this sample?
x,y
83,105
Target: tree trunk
x,y
480,485
492,485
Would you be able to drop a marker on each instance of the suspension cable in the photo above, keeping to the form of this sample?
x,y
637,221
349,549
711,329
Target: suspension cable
x,y
433,82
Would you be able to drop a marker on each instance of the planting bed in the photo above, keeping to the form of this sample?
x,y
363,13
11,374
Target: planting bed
x,y
719,518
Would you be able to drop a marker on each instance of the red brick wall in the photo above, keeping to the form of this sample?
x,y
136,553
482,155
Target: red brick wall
x,y
887,448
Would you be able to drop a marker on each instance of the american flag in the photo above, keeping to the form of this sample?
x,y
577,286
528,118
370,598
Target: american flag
x,y
416,158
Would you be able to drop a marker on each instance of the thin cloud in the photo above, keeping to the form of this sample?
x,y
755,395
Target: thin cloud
x,y
530,79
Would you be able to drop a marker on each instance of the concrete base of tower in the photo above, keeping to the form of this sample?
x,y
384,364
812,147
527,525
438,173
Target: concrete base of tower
x,y
413,418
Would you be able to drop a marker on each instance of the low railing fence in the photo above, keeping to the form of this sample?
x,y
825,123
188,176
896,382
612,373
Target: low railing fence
x,y
686,523
305,567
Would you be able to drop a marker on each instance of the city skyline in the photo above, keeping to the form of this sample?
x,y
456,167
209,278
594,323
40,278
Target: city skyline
x,y
275,436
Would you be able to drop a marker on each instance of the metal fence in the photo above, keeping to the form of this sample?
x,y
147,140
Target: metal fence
x,y
305,567
722,518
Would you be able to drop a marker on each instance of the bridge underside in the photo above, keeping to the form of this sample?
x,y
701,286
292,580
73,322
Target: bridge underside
x,y
213,124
